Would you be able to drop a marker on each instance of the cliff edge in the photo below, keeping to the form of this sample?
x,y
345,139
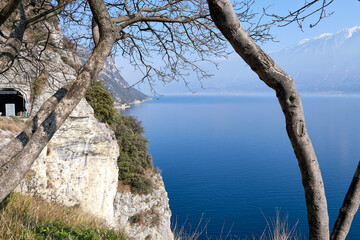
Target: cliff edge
x,y
78,168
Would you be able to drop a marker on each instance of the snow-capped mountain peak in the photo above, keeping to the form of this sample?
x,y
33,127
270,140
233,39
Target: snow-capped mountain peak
x,y
324,35
341,36
352,30
326,63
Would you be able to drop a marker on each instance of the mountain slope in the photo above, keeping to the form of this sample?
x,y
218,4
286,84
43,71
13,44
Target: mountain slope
x,y
119,89
327,63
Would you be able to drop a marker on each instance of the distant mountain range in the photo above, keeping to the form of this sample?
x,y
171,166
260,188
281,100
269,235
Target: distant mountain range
x,y
119,89
326,64
329,63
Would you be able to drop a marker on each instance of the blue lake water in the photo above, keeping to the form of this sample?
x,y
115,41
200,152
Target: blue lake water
x,y
229,158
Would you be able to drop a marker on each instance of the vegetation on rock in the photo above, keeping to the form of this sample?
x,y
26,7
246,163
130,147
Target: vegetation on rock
x,y
13,124
38,85
101,101
135,163
24,217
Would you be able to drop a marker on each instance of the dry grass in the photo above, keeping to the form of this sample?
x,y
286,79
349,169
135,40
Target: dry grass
x,y
121,187
180,233
12,124
24,217
277,229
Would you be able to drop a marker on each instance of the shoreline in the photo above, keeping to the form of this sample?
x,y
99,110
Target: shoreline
x,y
124,106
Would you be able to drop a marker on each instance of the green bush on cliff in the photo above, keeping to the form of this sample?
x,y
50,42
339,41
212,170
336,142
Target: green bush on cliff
x,y
101,101
134,162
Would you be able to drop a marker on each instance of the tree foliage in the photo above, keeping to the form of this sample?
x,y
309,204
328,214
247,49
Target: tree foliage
x,y
135,163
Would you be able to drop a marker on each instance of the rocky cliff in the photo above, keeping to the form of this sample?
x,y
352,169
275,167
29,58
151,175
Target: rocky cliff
x,y
79,165
78,168
145,216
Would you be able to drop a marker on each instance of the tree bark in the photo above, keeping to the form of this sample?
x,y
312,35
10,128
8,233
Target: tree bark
x,y
48,13
57,112
13,43
8,9
226,20
18,143
348,209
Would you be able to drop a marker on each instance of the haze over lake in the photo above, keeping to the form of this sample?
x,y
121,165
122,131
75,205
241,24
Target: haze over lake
x,y
230,159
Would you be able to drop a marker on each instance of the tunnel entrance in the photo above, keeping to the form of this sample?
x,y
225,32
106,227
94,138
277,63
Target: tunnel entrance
x,y
12,103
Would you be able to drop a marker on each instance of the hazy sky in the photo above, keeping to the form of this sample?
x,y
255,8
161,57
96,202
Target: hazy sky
x,y
346,15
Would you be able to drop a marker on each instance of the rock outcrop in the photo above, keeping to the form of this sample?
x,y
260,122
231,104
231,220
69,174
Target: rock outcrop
x,y
78,168
145,216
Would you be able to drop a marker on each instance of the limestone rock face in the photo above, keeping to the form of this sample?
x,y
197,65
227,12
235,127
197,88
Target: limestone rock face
x,y
145,216
78,166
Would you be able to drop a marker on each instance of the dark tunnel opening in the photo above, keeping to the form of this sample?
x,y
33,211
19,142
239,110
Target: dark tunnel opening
x,y
12,102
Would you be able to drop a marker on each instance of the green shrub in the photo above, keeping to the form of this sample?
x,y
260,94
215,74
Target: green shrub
x,y
65,59
134,161
101,101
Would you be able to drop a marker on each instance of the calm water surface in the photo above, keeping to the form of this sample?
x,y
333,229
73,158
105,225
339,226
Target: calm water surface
x,y
229,158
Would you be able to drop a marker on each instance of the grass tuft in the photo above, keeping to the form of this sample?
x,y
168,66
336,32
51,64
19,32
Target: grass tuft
x,y
181,233
276,229
12,124
25,217
279,229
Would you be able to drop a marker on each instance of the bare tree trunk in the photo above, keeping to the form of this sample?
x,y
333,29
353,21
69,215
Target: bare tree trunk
x,y
348,209
226,20
16,144
57,111
8,9
14,42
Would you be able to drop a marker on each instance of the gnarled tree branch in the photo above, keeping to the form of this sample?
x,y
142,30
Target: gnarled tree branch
x,y
48,13
13,43
8,10
58,111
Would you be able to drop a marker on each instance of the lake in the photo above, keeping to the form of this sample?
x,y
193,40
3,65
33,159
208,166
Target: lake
x,y
228,161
